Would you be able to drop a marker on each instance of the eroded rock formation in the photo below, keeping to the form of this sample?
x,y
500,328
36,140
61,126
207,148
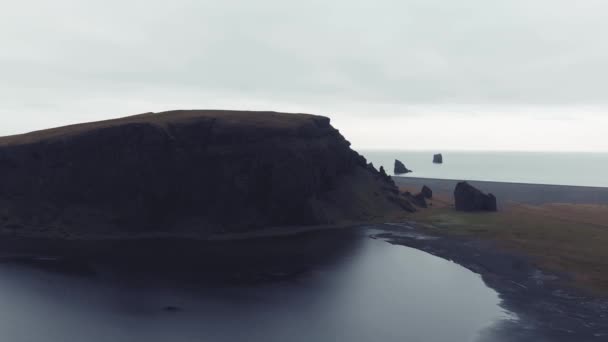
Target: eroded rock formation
x,y
469,198
400,168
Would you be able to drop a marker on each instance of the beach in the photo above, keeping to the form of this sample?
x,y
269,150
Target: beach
x,y
505,192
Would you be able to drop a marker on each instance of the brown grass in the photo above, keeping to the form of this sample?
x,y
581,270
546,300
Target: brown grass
x,y
250,118
571,238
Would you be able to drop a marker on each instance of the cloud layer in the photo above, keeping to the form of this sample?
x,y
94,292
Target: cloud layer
x,y
68,61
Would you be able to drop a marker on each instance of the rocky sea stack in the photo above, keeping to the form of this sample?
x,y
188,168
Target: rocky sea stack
x,y
400,168
438,159
186,172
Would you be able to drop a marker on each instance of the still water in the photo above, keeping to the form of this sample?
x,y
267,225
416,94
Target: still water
x,y
322,286
584,169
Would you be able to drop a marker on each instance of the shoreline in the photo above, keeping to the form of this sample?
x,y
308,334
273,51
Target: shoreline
x,y
526,193
501,182
544,304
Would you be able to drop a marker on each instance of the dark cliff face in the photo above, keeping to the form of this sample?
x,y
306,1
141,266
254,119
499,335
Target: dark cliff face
x,y
206,170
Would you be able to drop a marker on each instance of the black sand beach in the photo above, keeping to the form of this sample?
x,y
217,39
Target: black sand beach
x,y
517,192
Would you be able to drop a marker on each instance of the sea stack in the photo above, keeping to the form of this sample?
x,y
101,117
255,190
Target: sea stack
x,y
190,172
469,198
400,168
438,159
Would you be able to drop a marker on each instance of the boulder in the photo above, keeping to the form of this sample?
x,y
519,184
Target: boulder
x,y
469,198
400,168
427,192
438,159
418,199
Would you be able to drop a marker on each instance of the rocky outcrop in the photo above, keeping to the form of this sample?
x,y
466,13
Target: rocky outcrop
x,y
468,198
384,175
403,201
418,199
438,159
426,192
400,168
187,171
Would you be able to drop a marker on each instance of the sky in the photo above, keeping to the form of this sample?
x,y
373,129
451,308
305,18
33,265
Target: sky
x,y
398,74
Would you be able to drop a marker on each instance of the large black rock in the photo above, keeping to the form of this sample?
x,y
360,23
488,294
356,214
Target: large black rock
x,y
469,198
427,192
420,198
400,168
438,159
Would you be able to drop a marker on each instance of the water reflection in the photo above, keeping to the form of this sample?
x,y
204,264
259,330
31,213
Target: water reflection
x,y
323,286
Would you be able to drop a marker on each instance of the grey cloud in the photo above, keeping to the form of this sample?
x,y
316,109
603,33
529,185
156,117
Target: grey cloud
x,y
543,52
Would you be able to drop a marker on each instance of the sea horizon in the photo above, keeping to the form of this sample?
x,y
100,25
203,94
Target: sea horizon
x,y
529,167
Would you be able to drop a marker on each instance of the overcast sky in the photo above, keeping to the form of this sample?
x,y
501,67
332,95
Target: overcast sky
x,y
408,74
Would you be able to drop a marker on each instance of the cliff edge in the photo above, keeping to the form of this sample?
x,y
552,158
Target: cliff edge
x,y
195,171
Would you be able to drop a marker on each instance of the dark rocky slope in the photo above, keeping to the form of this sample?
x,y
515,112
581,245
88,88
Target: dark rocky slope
x,y
186,171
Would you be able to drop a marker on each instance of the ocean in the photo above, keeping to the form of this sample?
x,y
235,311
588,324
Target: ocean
x,y
560,168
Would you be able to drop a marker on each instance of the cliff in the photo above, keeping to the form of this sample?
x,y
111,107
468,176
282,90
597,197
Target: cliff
x,y
195,171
